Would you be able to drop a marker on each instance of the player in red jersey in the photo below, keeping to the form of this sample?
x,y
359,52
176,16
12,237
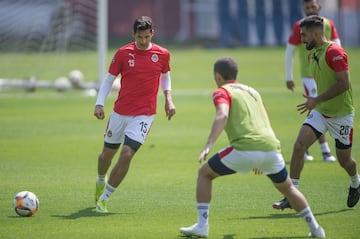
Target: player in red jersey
x,y
143,66
310,7
331,110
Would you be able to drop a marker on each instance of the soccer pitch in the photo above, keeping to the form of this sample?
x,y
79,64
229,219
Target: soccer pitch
x,y
49,143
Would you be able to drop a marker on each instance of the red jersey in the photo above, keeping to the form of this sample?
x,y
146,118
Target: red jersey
x,y
329,31
140,74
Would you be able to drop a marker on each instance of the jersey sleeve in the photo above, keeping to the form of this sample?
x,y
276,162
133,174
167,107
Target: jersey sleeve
x,y
166,67
221,96
115,65
295,37
334,34
336,58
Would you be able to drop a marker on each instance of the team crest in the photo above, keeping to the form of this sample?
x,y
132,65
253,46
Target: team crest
x,y
155,58
109,133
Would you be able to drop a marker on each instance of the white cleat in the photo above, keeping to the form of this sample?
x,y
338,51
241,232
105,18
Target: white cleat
x,y
308,157
195,230
318,233
327,157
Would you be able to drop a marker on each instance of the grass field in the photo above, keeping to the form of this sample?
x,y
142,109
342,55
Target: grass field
x,y
49,142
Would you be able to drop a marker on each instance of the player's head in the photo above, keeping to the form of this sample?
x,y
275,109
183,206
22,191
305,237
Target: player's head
x,y
143,32
225,69
311,7
311,31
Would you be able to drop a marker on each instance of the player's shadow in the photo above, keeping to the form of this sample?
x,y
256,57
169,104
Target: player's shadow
x,y
289,215
228,236
86,212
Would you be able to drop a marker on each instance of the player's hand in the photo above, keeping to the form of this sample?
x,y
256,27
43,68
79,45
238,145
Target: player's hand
x,y
290,85
308,105
204,153
257,171
170,109
99,112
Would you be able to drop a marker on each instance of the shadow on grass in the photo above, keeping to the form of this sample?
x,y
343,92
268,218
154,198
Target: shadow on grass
x,y
293,214
228,236
86,212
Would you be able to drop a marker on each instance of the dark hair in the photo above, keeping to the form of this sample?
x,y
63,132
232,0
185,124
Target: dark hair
x,y
312,21
226,67
142,23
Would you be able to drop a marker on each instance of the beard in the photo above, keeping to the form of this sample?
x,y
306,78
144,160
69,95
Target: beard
x,y
310,45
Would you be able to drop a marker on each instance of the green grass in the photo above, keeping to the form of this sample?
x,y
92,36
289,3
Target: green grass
x,y
49,143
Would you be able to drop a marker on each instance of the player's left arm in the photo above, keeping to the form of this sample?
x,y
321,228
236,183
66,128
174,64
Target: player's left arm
x,y
336,59
165,82
334,35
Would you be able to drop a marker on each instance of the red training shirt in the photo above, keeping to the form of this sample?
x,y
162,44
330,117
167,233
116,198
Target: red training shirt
x,y
140,74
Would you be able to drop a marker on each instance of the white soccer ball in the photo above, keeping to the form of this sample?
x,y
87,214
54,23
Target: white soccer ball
x,y
26,204
76,78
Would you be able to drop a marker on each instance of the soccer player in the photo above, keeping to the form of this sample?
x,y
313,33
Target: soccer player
x,y
253,145
142,65
332,110
310,7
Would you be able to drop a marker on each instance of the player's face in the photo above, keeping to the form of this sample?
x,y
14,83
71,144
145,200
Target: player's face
x,y
312,8
143,39
307,37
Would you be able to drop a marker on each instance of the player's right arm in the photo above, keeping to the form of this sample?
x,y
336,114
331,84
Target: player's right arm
x,y
104,91
289,53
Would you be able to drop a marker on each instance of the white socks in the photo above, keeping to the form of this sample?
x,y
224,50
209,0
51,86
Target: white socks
x,y
309,218
107,193
325,147
203,213
295,182
355,181
101,180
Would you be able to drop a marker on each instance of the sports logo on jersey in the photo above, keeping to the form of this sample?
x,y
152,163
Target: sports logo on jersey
x,y
338,58
131,62
109,133
155,58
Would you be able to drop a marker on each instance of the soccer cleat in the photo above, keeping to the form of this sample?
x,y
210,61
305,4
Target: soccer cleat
x,y
99,190
353,196
308,157
195,230
318,233
327,157
101,206
282,204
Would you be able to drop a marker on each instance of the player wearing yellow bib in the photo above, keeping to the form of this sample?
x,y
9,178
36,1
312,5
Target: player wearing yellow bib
x,y
253,145
311,7
332,110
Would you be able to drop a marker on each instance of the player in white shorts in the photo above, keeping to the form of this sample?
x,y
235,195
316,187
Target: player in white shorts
x,y
127,130
240,112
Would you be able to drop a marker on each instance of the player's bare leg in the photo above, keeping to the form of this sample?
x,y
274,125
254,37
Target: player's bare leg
x,y
104,162
305,139
121,168
349,164
300,205
203,198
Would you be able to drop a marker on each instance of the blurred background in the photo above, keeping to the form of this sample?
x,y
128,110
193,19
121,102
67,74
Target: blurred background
x,y
65,26
49,24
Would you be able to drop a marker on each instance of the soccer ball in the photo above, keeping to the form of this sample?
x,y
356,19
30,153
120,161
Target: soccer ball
x,y
26,204
76,78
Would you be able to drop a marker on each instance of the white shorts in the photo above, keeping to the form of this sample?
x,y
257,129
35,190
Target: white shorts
x,y
134,127
309,85
269,162
340,128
